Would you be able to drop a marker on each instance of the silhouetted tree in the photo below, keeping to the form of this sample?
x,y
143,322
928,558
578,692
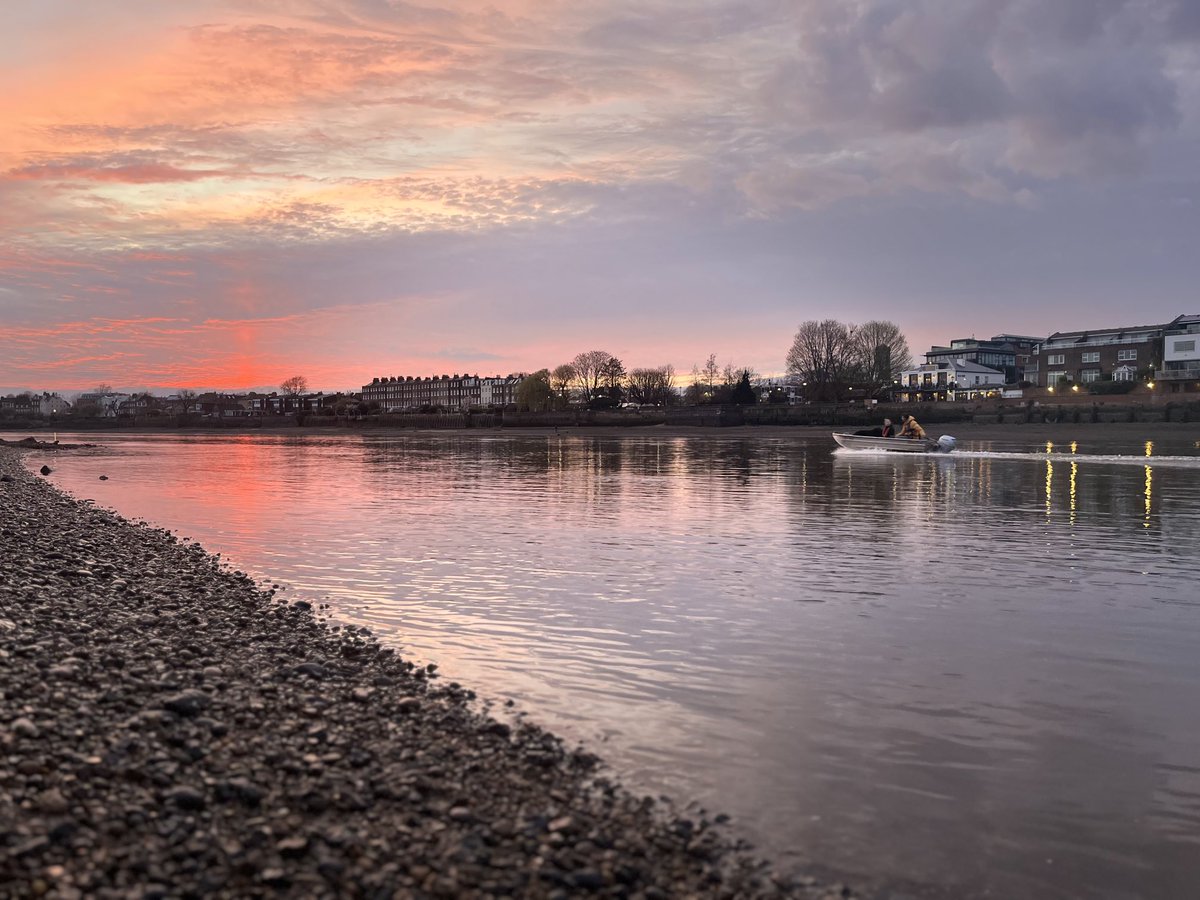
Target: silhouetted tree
x,y
743,393
651,386
561,380
880,351
589,370
822,354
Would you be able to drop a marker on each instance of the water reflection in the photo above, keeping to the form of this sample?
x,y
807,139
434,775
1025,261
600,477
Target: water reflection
x,y
942,670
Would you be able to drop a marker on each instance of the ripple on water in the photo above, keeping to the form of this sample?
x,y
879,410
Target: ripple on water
x,y
943,669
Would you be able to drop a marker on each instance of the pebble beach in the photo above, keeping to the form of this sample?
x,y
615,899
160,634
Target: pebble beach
x,y
168,728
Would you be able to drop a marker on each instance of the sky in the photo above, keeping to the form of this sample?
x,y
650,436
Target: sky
x,y
225,193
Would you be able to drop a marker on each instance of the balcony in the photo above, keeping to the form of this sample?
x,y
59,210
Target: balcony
x,y
1188,372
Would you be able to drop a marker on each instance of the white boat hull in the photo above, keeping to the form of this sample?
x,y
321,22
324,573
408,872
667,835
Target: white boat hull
x,y
891,444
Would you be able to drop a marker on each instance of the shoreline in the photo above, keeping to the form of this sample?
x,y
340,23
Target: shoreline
x,y
170,729
964,430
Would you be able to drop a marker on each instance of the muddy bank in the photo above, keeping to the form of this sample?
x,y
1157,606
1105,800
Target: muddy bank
x,y
169,729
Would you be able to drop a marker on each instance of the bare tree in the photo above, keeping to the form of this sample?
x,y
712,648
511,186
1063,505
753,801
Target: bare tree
x,y
612,373
293,387
561,380
881,352
822,354
589,371
651,386
187,397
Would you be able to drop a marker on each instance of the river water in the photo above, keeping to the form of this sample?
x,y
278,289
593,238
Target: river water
x,y
970,675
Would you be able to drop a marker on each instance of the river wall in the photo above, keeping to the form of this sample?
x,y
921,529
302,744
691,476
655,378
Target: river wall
x,y
1082,410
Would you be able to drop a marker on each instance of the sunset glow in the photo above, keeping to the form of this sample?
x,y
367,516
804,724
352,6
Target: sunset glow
x,y
223,193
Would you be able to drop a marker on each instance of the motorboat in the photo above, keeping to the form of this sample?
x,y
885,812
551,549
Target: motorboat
x,y
944,444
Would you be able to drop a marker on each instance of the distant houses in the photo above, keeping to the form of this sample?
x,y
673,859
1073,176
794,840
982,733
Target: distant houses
x,y
1164,353
30,405
396,393
1162,357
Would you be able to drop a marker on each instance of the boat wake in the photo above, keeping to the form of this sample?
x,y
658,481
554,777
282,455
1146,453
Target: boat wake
x,y
1116,459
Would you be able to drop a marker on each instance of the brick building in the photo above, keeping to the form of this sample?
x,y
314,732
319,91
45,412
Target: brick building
x,y
450,392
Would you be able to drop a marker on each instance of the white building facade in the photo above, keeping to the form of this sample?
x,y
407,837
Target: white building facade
x,y
951,380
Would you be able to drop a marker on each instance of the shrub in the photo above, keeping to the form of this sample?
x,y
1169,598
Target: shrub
x,y
1111,387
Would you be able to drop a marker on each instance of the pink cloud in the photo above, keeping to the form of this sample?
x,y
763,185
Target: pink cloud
x,y
137,174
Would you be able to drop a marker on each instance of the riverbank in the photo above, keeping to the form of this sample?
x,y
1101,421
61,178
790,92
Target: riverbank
x,y
1010,433
169,729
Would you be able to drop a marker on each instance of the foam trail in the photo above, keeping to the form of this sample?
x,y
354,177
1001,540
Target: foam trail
x,y
1116,459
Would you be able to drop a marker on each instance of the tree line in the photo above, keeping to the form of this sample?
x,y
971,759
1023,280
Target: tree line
x,y
599,380
829,356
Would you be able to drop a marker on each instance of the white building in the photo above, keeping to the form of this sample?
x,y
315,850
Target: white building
x,y
956,379
1181,355
52,405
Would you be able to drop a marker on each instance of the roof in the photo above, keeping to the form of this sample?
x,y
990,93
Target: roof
x,y
962,365
1083,334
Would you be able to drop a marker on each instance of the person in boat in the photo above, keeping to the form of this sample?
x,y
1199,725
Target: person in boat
x,y
912,429
888,430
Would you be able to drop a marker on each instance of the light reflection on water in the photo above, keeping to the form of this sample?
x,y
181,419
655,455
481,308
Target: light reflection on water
x,y
975,671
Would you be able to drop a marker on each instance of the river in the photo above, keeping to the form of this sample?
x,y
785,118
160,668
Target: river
x,y
965,675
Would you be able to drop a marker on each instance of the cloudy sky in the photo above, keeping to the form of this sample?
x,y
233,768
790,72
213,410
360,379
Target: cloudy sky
x,y
224,193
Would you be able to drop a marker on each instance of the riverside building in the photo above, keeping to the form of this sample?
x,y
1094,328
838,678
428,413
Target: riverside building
x,y
406,392
1007,353
1125,353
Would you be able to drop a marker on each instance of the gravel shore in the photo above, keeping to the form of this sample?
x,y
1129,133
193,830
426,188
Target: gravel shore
x,y
168,729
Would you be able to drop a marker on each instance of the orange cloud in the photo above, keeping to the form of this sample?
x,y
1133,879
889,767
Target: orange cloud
x,y
139,174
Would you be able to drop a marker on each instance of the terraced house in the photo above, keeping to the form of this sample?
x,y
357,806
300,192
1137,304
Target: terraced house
x,y
399,392
1125,353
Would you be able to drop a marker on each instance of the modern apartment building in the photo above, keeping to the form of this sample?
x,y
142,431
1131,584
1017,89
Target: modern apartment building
x,y
1181,357
450,391
1096,354
1007,353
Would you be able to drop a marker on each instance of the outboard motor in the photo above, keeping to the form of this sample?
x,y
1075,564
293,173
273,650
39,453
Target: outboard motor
x,y
946,443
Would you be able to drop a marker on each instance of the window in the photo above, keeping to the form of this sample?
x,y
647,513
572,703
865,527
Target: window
x,y
1088,375
1123,374
1092,357
1056,359
1185,346
1052,378
1126,355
